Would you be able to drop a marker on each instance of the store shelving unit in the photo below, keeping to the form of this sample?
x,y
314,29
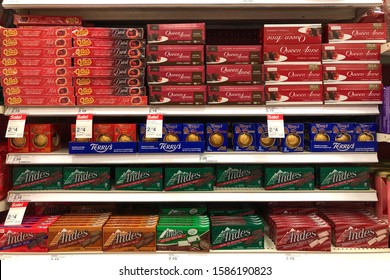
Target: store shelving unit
x,y
2,109
4,205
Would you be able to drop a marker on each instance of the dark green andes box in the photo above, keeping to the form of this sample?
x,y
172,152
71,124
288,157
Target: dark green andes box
x,y
139,178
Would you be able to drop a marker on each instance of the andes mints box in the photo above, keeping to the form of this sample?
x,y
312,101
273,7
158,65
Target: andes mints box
x,y
239,54
235,95
231,74
304,33
175,54
177,95
344,178
216,137
139,178
189,179
236,176
264,142
244,138
289,178
319,131
193,132
183,209
365,132
293,140
172,132
87,178
176,75
177,33
37,178
344,132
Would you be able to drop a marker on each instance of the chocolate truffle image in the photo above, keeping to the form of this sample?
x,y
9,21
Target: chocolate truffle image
x,y
216,139
341,137
244,140
81,139
171,138
18,142
365,137
321,137
266,141
293,141
103,138
40,140
192,137
125,138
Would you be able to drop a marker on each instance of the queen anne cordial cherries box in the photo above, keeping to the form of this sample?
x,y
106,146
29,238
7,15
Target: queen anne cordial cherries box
x,y
176,75
283,34
244,138
42,90
189,179
237,233
247,54
231,74
36,52
344,178
293,140
36,32
183,233
37,178
264,142
292,53
235,176
87,178
22,144
32,20
293,74
356,32
177,95
109,43
108,33
175,54
37,43
36,81
294,94
216,137
45,138
110,62
36,62
110,90
175,34
237,95
350,53
355,73
121,52
289,178
366,93
139,178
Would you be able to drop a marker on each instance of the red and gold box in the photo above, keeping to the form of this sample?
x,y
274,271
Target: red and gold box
x,y
36,52
293,73
32,20
352,72
110,62
107,100
35,71
235,95
36,62
177,95
294,94
350,53
31,100
110,81
356,32
20,145
103,133
108,72
292,34
109,43
108,52
107,90
292,53
43,90
363,93
232,74
109,33
176,75
175,54
36,32
37,43
126,132
174,34
245,54
44,138
36,81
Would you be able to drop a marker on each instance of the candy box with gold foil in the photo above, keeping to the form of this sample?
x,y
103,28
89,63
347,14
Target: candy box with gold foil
x,y
216,137
293,140
244,137
109,43
265,143
193,132
319,131
36,32
110,62
109,81
36,81
37,62
142,134
36,53
344,132
108,33
172,132
103,132
20,145
365,132
125,132
44,138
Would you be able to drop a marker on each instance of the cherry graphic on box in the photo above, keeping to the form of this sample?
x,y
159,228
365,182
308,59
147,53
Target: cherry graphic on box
x,y
335,34
313,32
329,55
271,56
331,75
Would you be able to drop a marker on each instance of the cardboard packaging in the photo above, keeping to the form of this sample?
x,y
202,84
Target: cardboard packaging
x,y
176,34
245,54
293,74
294,94
365,93
177,95
42,100
139,178
32,20
292,53
236,176
110,81
125,132
189,179
176,75
106,100
109,43
47,91
353,73
36,52
37,178
231,74
193,132
103,133
20,145
175,54
110,90
36,62
36,81
216,137
110,62
292,34
87,178
350,53
45,138
344,178
244,138
289,178
265,143
356,32
33,71
37,43
108,33
293,140
36,32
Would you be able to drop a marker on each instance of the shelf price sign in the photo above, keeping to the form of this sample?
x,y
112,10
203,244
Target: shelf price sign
x,y
16,213
275,124
84,126
16,124
154,124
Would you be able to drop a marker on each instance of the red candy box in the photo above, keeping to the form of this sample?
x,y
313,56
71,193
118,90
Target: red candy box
x,y
352,72
245,54
363,93
235,95
177,95
176,75
293,73
175,55
173,34
356,32
234,74
294,94
292,53
292,34
350,53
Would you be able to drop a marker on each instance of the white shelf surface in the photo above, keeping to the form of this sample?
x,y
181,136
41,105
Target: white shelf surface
x,y
2,109
63,157
4,205
206,110
383,137
260,195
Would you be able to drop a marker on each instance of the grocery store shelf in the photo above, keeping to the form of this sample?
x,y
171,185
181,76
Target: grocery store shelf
x,y
259,195
64,157
249,110
383,137
4,205
2,109
197,9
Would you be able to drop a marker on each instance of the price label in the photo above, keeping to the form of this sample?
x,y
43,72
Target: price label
x,y
155,110
15,128
84,126
154,123
275,125
16,214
